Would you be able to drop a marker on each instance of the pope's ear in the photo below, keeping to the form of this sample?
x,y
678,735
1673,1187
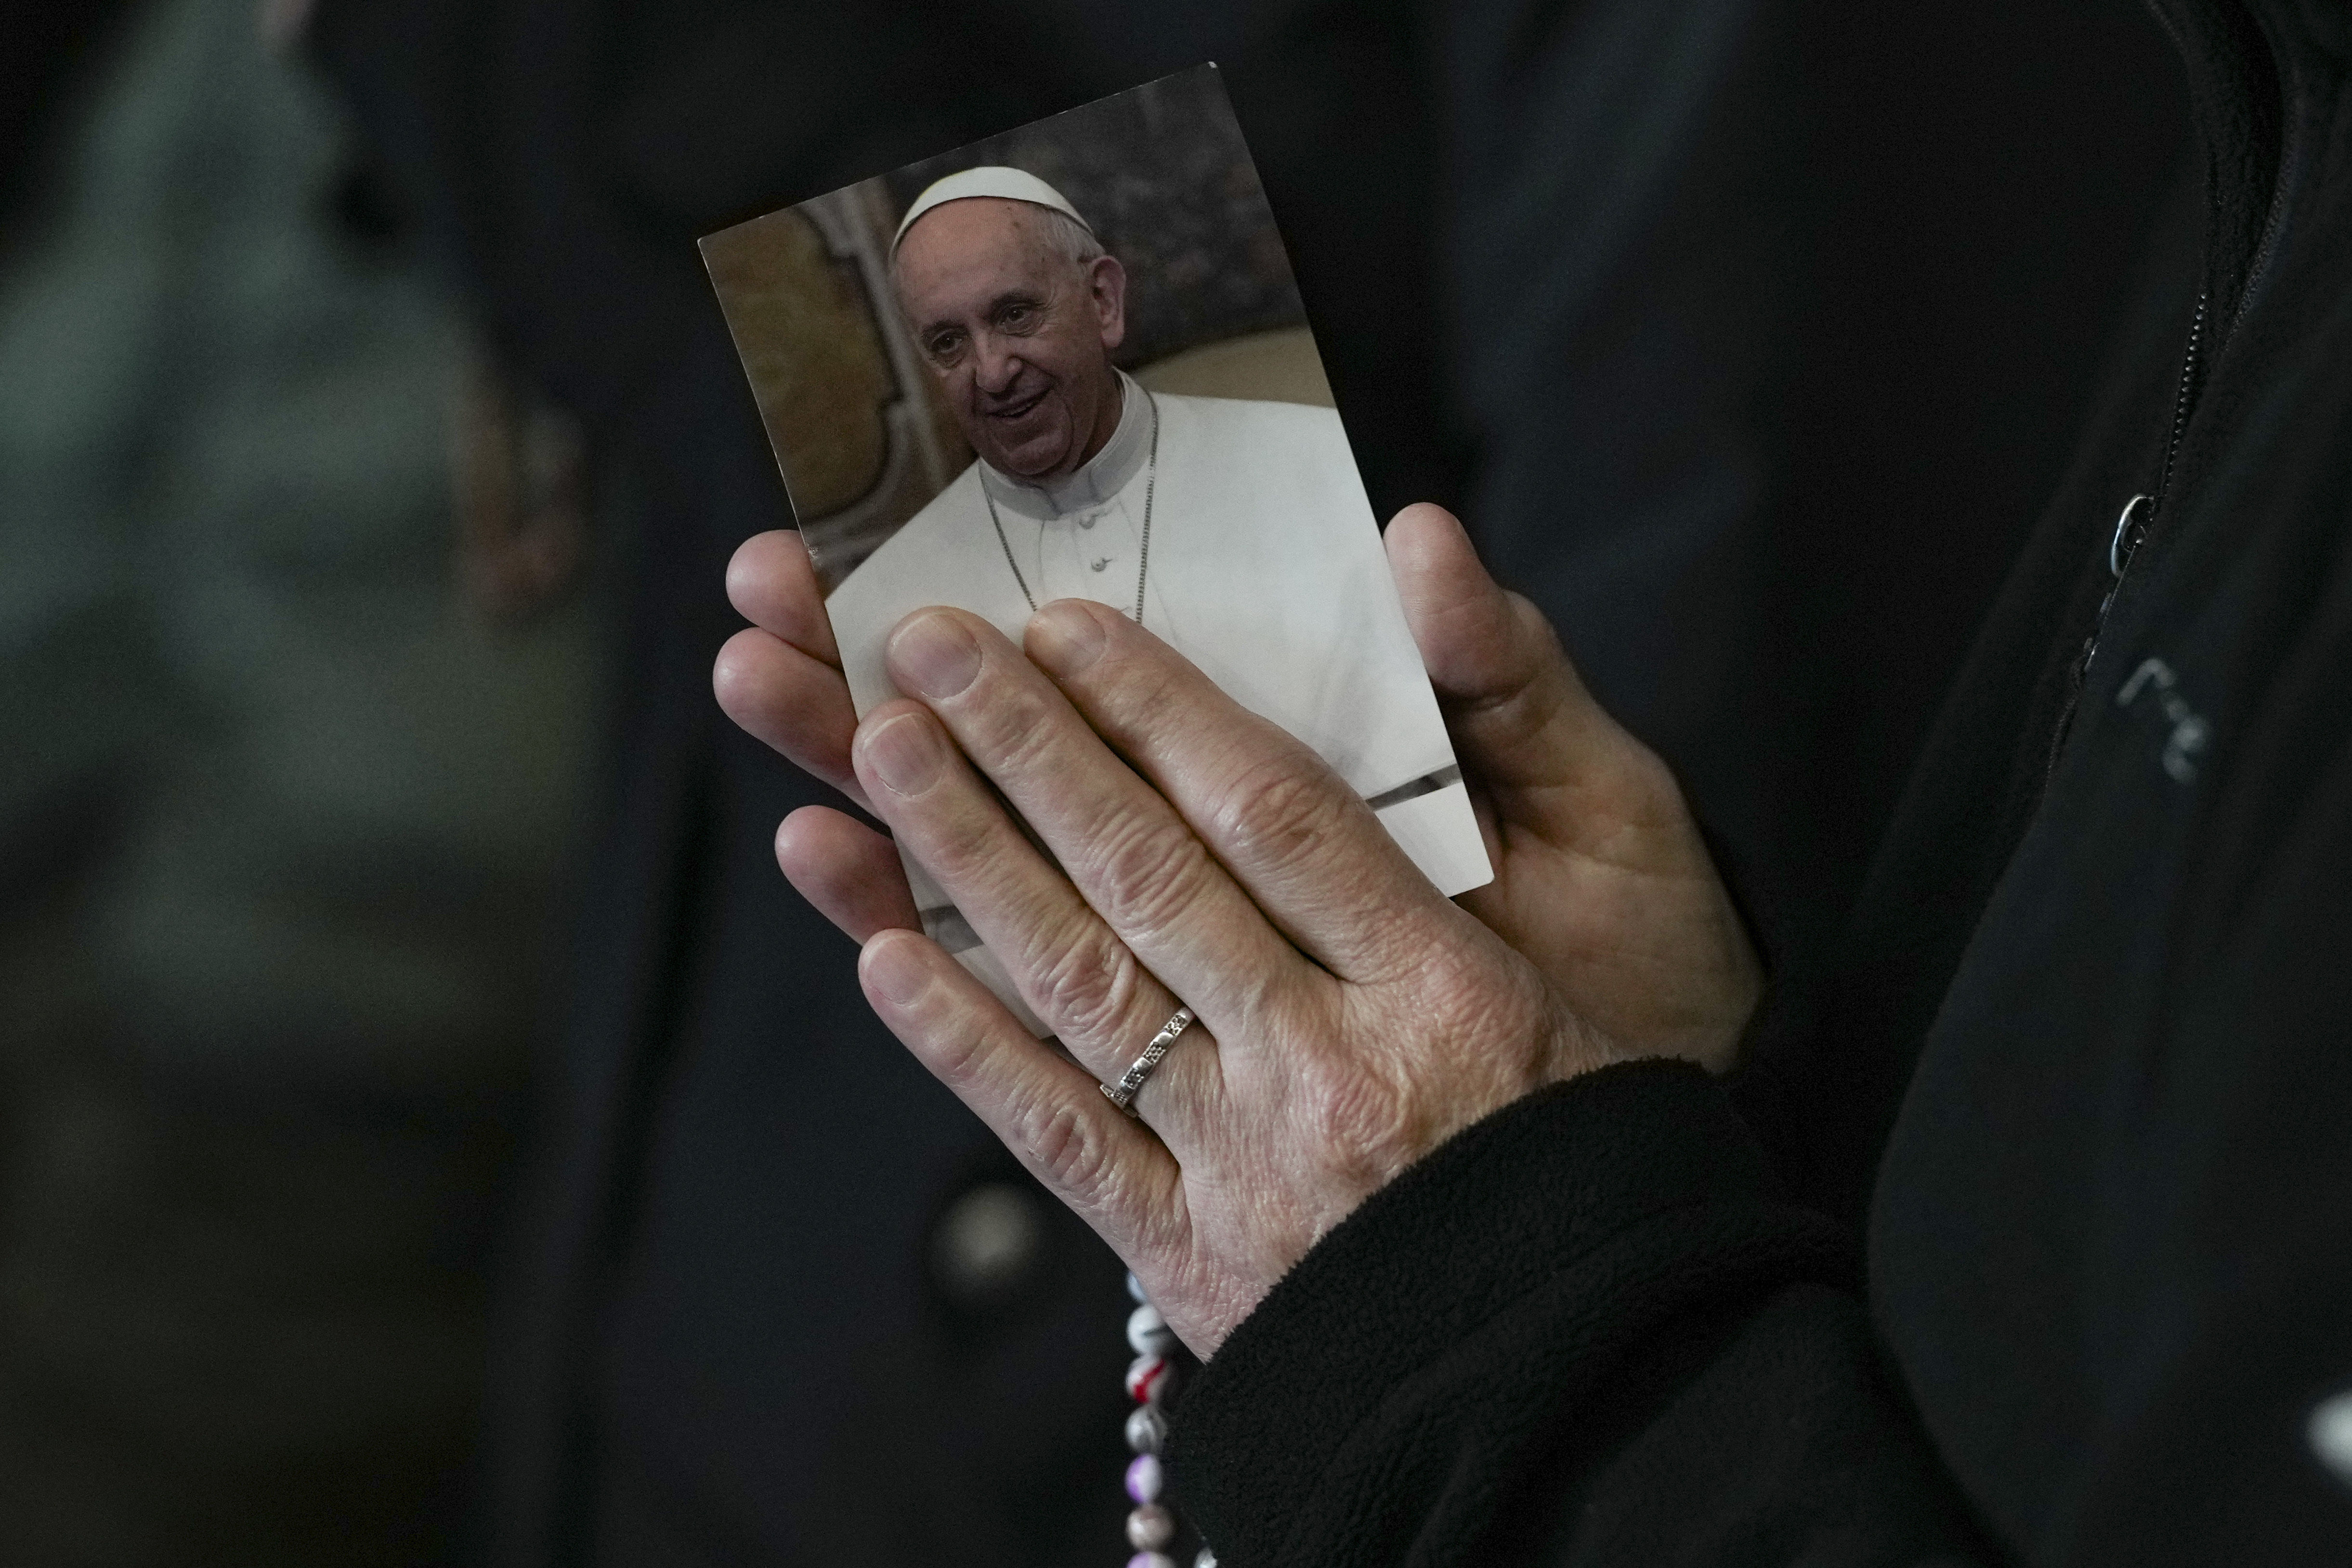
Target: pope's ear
x,y
1107,282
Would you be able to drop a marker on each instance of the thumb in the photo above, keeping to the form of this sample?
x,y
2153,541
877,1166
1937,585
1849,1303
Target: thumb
x,y
1522,718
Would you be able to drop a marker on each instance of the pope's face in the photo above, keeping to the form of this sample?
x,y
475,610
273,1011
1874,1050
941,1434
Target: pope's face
x,y
1019,335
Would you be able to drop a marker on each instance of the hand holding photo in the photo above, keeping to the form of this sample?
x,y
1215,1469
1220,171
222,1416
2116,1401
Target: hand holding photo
x,y
1071,363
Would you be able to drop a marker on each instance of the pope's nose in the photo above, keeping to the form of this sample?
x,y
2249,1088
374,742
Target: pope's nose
x,y
1001,378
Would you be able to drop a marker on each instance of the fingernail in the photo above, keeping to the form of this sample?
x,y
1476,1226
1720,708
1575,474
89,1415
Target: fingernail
x,y
893,969
1063,638
933,657
905,755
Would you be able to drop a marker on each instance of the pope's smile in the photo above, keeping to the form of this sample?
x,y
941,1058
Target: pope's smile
x,y
1013,412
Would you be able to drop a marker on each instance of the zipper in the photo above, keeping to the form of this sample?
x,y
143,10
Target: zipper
x,y
2136,519
2141,512
2138,516
2183,400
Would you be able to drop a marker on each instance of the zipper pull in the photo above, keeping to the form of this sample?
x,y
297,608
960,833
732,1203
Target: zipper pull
x,y
2130,529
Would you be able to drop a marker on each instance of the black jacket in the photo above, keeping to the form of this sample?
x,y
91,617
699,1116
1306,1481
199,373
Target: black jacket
x,y
2078,1090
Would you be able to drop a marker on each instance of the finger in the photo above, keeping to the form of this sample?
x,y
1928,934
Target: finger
x,y
1305,845
772,583
1133,857
782,696
1090,988
851,873
1522,720
1105,1165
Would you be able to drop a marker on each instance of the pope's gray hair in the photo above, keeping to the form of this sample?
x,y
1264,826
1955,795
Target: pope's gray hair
x,y
1071,239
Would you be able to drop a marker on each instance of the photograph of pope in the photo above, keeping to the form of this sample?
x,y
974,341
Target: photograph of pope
x,y
1236,529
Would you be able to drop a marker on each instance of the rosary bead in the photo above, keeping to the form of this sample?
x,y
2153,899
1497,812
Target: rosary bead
x,y
1148,1332
1146,1429
1150,1527
1146,1379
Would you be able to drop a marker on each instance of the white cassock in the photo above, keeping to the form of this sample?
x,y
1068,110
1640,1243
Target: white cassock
x,y
1265,570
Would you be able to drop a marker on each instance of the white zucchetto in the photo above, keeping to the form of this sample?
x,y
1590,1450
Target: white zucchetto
x,y
989,179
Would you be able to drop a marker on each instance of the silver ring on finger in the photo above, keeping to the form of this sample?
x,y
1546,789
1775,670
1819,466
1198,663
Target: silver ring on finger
x,y
1131,1082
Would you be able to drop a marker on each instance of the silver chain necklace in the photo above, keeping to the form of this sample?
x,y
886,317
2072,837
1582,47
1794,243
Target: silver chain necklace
x,y
1150,484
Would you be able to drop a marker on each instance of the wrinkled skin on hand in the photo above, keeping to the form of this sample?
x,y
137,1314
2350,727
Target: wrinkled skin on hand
x,y
1351,1019
1601,878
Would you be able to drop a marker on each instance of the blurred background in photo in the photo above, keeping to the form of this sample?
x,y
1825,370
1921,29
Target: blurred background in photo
x,y
298,660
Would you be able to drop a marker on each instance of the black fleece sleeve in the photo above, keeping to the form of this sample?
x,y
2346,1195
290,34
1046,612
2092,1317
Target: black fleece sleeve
x,y
1585,1330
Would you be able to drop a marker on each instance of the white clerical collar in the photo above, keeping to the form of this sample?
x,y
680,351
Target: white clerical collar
x,y
1103,476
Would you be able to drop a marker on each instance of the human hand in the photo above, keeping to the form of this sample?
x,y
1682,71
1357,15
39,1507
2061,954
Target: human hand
x,y
1351,1019
1601,878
